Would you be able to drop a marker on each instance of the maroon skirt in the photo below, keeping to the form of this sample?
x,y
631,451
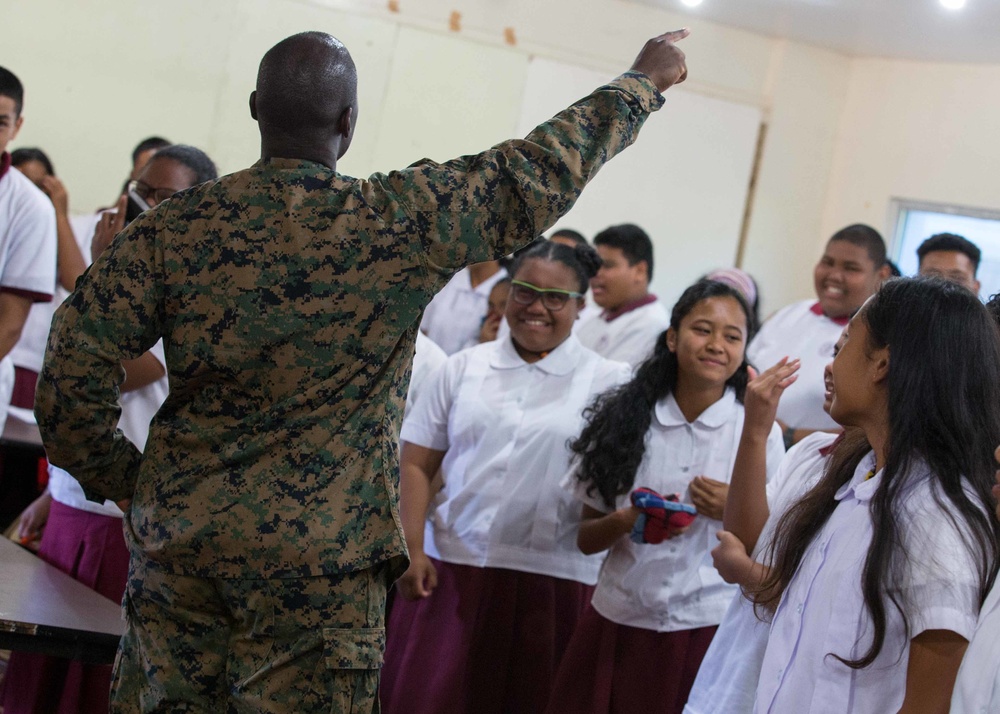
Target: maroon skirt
x,y
487,641
92,549
616,669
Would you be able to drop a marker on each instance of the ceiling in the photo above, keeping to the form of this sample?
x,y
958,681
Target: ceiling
x,y
907,29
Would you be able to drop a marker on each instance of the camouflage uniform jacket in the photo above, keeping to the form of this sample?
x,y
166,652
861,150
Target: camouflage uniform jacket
x,y
288,298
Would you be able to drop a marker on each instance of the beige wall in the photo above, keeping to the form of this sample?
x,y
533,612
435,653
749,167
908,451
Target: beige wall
x,y
919,131
845,135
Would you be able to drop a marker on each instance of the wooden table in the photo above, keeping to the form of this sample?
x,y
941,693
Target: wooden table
x,y
44,610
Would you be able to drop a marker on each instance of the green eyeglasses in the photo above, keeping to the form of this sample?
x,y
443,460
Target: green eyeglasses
x,y
552,298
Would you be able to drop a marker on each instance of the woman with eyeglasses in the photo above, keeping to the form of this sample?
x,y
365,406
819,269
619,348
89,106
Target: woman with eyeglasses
x,y
171,170
496,582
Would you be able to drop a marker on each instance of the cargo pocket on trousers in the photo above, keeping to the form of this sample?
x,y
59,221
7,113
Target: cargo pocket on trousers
x,y
354,659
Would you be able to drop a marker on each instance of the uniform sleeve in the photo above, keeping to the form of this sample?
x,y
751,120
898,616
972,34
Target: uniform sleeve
x,y
939,584
427,424
30,264
482,207
114,314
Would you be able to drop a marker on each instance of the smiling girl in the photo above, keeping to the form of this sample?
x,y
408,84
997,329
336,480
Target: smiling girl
x,y
673,428
495,583
878,573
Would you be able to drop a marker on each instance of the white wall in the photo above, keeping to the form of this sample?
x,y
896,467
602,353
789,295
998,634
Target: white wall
x,y
845,135
914,130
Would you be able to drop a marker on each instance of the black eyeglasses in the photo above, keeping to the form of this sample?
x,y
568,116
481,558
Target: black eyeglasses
x,y
552,298
150,194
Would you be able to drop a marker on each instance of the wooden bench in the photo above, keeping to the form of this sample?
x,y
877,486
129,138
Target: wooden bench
x,y
44,610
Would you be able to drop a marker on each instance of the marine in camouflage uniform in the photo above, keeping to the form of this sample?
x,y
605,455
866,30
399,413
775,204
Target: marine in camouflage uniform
x,y
263,525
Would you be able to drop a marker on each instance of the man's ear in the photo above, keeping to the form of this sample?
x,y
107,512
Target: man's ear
x,y
345,121
884,273
17,126
644,269
253,104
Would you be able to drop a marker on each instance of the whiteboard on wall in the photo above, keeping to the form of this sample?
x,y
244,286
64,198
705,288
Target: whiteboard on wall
x,y
684,181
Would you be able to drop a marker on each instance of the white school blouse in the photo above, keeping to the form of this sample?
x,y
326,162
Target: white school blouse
x,y
504,425
456,313
977,689
822,611
727,679
673,585
799,331
629,337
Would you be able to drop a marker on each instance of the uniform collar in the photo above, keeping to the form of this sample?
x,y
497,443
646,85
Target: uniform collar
x,y
669,413
276,162
861,487
817,309
560,361
4,164
609,315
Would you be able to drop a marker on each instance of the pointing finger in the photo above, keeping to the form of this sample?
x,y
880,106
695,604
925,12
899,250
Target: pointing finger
x,y
675,35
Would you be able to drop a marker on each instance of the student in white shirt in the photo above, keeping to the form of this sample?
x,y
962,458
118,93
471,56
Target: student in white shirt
x,y
878,573
852,267
727,679
27,240
674,428
977,688
453,318
495,582
632,317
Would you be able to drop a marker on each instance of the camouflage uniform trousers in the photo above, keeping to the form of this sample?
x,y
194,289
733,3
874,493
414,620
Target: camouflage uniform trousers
x,y
228,645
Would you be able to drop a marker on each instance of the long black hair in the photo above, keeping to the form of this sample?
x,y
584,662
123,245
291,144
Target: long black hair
x,y
944,410
613,442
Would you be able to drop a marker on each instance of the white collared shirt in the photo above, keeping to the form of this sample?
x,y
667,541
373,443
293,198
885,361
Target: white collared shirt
x,y
427,359
797,332
455,315
822,610
727,678
504,425
673,585
630,337
977,689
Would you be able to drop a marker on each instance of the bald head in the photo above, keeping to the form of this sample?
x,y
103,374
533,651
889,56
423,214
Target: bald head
x,y
305,85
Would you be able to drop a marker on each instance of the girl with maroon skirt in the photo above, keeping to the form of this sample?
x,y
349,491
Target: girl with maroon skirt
x,y
674,428
495,583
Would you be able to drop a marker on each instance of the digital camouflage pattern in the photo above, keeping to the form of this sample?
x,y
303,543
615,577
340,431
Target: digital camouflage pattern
x,y
283,645
288,298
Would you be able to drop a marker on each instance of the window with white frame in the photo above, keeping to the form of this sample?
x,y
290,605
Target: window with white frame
x,y
917,221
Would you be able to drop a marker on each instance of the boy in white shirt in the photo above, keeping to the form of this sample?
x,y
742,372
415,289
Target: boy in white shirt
x,y
851,269
632,317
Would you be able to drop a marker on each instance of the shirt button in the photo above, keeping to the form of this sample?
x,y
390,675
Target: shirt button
x,y
684,469
799,609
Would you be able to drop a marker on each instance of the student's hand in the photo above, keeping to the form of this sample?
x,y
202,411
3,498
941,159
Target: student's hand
x,y
730,558
709,496
32,521
420,578
661,61
110,224
760,403
56,192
